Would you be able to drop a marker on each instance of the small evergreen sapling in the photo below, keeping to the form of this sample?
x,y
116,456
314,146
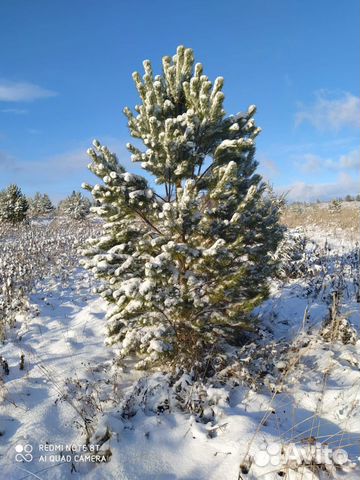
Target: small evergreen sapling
x,y
75,206
185,265
13,205
335,206
41,204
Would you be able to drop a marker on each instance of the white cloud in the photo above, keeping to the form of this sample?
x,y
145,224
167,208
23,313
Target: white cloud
x,y
310,163
34,131
8,165
16,111
22,92
300,191
59,173
330,112
53,168
56,175
351,160
267,167
59,166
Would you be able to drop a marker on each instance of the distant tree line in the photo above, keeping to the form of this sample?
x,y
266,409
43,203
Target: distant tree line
x,y
15,207
347,198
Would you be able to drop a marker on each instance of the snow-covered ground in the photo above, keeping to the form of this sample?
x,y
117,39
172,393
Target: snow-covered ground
x,y
281,410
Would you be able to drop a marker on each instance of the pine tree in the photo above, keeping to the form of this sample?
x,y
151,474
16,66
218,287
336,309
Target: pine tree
x,y
335,206
41,204
75,206
13,204
185,265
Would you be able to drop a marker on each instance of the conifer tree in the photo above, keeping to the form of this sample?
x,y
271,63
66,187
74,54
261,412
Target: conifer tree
x,y
75,206
335,206
41,204
13,204
185,264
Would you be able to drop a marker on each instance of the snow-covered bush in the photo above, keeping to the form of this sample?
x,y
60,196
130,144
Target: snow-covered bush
x,y
340,330
75,206
13,205
183,266
28,253
159,393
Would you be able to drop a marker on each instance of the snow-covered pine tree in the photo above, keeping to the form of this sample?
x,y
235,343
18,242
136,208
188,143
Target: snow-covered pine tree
x,y
184,266
40,204
75,206
13,204
335,206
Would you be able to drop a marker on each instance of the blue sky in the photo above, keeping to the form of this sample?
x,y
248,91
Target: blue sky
x,y
66,75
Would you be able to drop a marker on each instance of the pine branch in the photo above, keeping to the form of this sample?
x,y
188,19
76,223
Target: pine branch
x,y
147,221
204,173
159,196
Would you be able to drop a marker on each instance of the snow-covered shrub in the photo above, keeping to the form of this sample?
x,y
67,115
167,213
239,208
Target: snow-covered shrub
x,y
13,205
165,393
183,266
30,252
340,330
75,206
